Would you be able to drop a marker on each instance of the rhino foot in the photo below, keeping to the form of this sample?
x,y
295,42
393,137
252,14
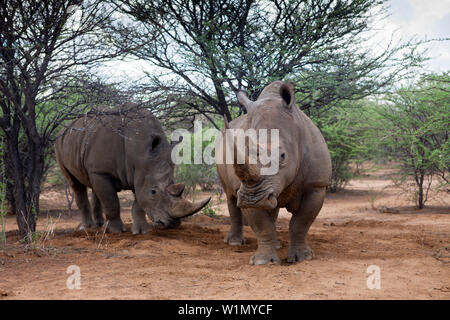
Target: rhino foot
x,y
234,240
265,258
140,227
88,225
116,226
299,254
99,223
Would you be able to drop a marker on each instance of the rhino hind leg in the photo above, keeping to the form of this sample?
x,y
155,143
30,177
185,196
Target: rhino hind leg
x,y
140,224
97,210
107,194
81,198
235,236
262,223
301,221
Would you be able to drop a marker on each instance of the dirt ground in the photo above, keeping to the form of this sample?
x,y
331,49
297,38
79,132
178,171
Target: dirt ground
x,y
370,223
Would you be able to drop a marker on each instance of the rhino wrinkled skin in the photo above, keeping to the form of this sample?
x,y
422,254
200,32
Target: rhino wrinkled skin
x,y
116,151
299,186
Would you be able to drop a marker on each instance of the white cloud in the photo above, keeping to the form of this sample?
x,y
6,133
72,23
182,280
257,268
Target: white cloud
x,y
428,19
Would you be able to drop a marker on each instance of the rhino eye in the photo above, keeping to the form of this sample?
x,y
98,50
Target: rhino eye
x,y
153,191
283,156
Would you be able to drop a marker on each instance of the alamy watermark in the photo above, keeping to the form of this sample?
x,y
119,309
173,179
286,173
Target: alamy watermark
x,y
374,279
73,282
256,147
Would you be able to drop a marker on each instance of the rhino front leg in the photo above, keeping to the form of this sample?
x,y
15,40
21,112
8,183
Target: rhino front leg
x,y
274,216
140,224
105,191
310,205
262,223
235,236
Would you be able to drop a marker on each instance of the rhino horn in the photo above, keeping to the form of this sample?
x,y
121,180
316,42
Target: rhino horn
x,y
246,172
184,208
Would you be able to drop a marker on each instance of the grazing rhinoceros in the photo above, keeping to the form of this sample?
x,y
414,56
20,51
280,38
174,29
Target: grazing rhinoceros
x,y
299,185
116,151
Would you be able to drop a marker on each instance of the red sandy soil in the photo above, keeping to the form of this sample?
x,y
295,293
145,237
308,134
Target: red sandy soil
x,y
353,231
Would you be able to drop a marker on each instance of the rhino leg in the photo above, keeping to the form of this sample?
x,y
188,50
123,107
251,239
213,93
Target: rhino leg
x,y
274,216
310,205
262,223
97,210
235,236
140,224
105,191
81,198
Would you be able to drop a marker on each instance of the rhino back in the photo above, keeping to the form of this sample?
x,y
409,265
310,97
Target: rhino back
x,y
97,145
89,146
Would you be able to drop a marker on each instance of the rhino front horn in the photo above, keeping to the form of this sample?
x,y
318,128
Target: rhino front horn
x,y
246,172
184,208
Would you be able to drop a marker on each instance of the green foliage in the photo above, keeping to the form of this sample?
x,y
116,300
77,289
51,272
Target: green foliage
x,y
208,210
197,175
54,177
345,130
201,175
414,126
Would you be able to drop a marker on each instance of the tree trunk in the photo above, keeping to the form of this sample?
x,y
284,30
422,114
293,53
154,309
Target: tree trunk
x,y
7,179
26,182
420,199
420,203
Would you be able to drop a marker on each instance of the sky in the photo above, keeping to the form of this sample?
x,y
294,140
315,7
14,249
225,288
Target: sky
x,y
424,19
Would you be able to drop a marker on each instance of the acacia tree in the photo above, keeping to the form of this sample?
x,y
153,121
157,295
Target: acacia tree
x,y
47,49
415,132
203,51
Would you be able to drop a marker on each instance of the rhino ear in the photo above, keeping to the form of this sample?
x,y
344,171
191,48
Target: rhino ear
x,y
244,100
287,94
175,189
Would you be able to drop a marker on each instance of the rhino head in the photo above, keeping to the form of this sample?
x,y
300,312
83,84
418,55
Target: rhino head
x,y
274,109
149,162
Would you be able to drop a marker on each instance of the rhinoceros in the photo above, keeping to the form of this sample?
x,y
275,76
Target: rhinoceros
x,y
122,150
299,185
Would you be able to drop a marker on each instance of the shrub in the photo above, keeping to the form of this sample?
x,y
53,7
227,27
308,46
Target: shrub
x,y
345,130
414,123
203,175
